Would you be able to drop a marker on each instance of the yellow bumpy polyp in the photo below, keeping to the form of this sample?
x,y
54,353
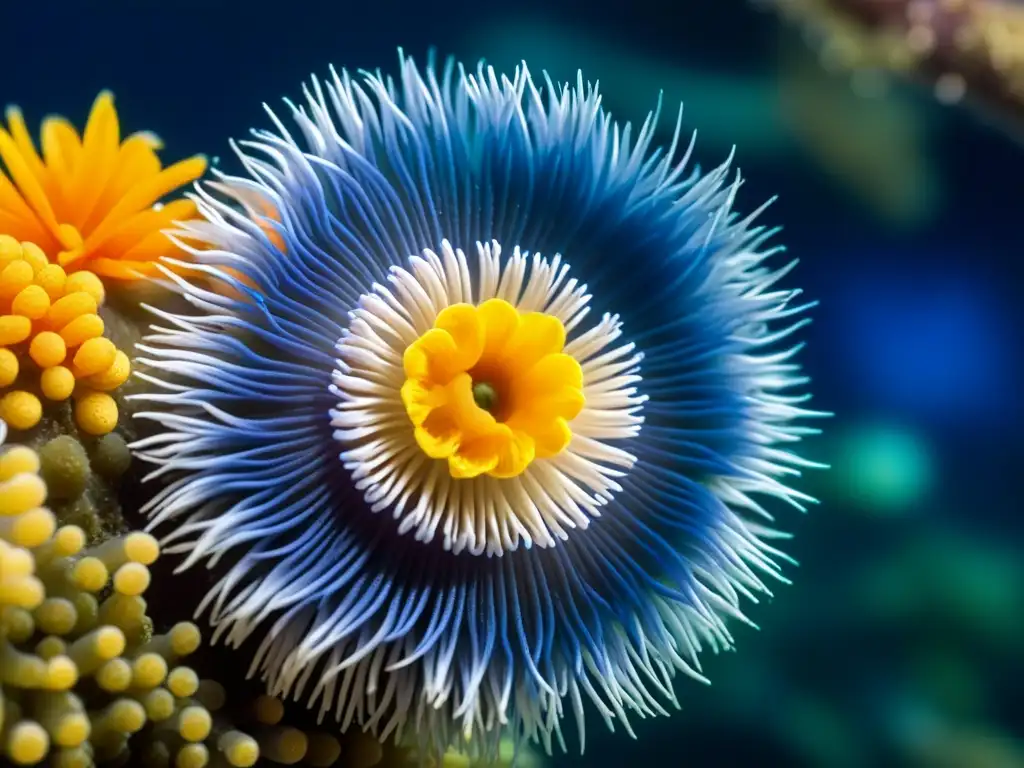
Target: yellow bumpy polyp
x,y
50,328
489,389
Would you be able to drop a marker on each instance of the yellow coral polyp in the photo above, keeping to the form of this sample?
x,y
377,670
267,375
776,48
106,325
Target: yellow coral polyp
x,y
489,389
50,320
21,410
96,413
80,675
90,201
9,367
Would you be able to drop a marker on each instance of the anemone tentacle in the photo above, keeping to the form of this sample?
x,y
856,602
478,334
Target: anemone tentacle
x,y
585,548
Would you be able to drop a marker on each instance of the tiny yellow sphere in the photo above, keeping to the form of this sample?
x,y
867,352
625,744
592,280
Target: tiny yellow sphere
x,y
34,256
57,383
27,743
67,308
31,302
194,723
81,329
96,413
22,410
51,279
87,282
14,277
16,460
114,376
47,349
8,367
95,356
10,249
13,329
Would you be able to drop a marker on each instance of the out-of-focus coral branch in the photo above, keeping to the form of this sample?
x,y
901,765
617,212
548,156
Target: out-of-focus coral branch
x,y
971,49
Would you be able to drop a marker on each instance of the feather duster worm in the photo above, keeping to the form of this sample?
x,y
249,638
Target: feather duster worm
x,y
480,420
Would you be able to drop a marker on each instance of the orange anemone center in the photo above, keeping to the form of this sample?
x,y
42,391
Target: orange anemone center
x,y
489,389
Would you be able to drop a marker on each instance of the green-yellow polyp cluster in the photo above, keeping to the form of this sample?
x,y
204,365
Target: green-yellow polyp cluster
x,y
280,739
83,679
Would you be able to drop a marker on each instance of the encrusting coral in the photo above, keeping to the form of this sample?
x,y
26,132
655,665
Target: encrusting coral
x,y
84,679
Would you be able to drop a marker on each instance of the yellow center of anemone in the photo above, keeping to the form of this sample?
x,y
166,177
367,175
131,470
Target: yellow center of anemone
x,y
489,389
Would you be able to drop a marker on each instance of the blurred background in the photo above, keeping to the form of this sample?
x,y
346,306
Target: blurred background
x,y
901,640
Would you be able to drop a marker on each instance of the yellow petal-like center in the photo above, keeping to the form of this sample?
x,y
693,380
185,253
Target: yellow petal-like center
x,y
489,389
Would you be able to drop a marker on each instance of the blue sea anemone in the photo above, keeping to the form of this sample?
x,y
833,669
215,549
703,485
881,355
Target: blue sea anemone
x,y
408,411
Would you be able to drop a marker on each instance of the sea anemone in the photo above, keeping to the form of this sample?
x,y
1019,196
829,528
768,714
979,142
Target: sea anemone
x,y
477,427
91,201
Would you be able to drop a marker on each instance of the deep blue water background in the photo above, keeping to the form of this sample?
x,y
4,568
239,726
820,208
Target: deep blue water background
x,y
916,347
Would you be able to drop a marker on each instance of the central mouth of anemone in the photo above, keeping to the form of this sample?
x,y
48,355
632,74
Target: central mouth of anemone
x,y
485,395
489,389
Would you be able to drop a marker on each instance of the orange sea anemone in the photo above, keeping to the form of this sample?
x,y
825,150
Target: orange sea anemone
x,y
91,201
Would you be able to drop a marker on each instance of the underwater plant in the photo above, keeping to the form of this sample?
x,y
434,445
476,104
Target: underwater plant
x,y
475,407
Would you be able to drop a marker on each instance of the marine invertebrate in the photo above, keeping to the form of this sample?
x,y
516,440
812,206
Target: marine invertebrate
x,y
52,342
463,486
964,49
91,201
84,680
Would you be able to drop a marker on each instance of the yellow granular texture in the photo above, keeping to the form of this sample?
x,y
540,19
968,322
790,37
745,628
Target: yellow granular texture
x,y
51,342
84,680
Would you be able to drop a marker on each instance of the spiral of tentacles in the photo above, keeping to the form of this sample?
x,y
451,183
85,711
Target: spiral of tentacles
x,y
405,420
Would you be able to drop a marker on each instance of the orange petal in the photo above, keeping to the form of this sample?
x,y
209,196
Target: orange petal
x,y
135,230
144,194
25,227
29,186
100,145
23,140
62,151
14,208
154,247
136,162
119,269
